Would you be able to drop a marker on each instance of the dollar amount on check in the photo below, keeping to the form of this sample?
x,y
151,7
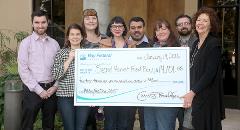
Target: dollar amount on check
x,y
131,77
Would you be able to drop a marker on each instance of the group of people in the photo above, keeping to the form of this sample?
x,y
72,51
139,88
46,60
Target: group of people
x,y
47,72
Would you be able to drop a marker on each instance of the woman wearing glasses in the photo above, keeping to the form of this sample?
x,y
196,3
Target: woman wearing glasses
x,y
116,117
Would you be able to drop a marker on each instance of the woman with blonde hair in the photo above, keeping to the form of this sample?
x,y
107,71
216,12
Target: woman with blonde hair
x,y
94,39
90,23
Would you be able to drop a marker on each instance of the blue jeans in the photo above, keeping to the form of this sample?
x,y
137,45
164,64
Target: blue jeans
x,y
116,117
160,118
74,117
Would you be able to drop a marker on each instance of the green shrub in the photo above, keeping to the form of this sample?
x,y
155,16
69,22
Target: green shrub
x,y
8,59
9,70
2,79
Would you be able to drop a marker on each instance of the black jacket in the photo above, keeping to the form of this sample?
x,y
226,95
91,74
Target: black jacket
x,y
206,82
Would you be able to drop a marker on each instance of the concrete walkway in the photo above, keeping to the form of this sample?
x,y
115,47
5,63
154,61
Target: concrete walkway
x,y
232,121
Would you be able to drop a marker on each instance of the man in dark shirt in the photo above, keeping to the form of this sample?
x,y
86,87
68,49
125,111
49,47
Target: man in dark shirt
x,y
184,29
137,39
186,38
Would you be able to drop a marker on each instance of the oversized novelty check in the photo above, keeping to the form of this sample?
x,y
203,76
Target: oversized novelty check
x,y
131,77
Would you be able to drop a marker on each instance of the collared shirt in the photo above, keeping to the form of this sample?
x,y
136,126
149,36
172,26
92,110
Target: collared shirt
x,y
144,39
143,43
188,41
65,80
35,59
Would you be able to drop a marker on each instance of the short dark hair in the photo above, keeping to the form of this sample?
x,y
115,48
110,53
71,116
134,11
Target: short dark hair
x,y
39,13
78,27
136,19
183,16
116,19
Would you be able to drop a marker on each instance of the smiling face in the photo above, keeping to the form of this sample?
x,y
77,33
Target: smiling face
x,y
184,26
203,24
117,29
90,22
40,24
162,33
136,30
75,37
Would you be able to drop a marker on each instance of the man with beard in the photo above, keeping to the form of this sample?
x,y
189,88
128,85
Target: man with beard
x,y
35,58
137,39
184,28
186,38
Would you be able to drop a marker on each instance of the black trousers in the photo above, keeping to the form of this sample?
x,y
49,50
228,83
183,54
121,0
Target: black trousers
x,y
132,117
116,117
180,118
31,105
91,122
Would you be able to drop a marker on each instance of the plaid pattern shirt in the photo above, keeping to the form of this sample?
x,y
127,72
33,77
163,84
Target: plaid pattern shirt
x,y
65,80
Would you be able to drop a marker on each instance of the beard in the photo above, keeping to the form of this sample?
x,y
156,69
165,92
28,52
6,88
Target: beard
x,y
137,38
184,32
40,31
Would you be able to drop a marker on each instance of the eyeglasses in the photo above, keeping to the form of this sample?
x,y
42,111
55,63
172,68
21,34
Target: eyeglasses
x,y
117,26
89,12
161,28
183,23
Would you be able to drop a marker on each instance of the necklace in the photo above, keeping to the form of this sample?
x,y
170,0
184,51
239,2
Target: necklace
x,y
195,52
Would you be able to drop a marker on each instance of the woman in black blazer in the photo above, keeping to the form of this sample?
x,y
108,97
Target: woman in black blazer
x,y
204,107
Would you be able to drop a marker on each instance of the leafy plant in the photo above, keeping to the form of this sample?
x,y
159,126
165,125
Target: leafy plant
x,y
2,79
9,70
3,39
8,60
58,122
8,56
